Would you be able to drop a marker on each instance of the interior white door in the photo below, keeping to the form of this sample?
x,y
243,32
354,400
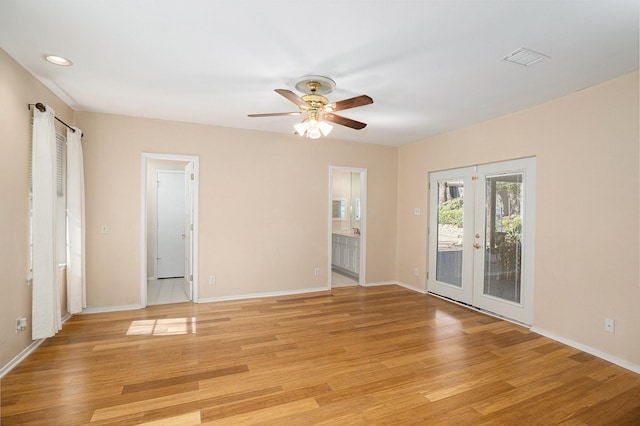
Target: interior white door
x,y
170,228
481,237
189,176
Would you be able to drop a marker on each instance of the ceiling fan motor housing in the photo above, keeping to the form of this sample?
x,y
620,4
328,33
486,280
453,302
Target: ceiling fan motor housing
x,y
315,102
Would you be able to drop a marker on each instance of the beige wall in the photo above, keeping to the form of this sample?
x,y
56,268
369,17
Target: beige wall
x,y
586,263
262,206
17,89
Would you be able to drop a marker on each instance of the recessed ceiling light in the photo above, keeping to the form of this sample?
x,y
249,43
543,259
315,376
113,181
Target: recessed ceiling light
x,y
524,57
58,60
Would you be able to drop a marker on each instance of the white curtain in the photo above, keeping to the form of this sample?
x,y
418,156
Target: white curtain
x,y
76,275
46,319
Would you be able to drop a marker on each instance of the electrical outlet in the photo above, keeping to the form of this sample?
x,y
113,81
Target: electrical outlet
x,y
610,325
212,279
316,272
416,272
21,324
416,211
104,229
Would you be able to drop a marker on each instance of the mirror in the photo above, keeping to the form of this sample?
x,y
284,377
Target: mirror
x,y
339,209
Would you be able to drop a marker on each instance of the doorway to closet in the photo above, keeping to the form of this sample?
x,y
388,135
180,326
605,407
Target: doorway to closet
x,y
482,237
169,215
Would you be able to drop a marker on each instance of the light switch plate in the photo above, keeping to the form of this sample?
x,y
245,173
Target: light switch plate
x,y
610,325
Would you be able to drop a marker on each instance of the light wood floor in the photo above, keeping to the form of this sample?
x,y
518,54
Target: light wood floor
x,y
382,355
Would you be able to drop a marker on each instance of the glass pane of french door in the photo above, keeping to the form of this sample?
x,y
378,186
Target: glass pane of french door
x,y
503,236
450,232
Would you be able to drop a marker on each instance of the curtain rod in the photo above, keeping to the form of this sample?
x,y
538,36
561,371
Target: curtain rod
x,y
40,107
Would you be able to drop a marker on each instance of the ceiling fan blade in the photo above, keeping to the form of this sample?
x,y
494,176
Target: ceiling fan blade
x,y
292,97
344,121
350,103
274,114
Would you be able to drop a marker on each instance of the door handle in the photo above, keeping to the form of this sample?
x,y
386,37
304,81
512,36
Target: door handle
x,y
476,245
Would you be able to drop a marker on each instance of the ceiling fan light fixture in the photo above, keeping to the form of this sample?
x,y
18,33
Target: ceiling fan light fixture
x,y
325,128
317,109
301,128
313,128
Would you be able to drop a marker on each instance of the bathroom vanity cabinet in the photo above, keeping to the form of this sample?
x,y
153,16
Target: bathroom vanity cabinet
x,y
346,253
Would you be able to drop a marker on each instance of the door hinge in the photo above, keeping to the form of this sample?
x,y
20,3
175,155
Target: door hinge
x,y
193,176
427,274
191,227
191,277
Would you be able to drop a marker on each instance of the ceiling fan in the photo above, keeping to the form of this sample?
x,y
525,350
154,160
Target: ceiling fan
x,y
317,108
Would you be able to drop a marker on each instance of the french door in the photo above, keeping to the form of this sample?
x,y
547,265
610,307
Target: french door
x,y
481,236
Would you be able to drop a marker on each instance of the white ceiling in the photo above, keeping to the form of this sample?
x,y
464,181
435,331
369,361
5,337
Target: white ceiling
x,y
430,66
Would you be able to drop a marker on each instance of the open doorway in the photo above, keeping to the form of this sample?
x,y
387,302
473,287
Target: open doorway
x,y
347,226
169,240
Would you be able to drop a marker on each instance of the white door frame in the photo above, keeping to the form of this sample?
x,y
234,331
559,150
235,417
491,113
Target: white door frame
x,y
146,156
363,221
189,184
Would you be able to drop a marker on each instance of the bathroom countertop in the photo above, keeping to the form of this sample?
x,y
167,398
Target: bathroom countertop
x,y
346,234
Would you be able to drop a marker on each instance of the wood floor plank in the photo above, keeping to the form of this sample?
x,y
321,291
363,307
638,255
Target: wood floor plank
x,y
355,355
188,419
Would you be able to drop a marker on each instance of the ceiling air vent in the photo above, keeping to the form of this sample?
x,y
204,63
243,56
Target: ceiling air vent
x,y
524,57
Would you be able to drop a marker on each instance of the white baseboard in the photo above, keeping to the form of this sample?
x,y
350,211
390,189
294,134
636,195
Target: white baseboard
x,y
259,295
410,287
20,357
588,349
379,283
103,309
